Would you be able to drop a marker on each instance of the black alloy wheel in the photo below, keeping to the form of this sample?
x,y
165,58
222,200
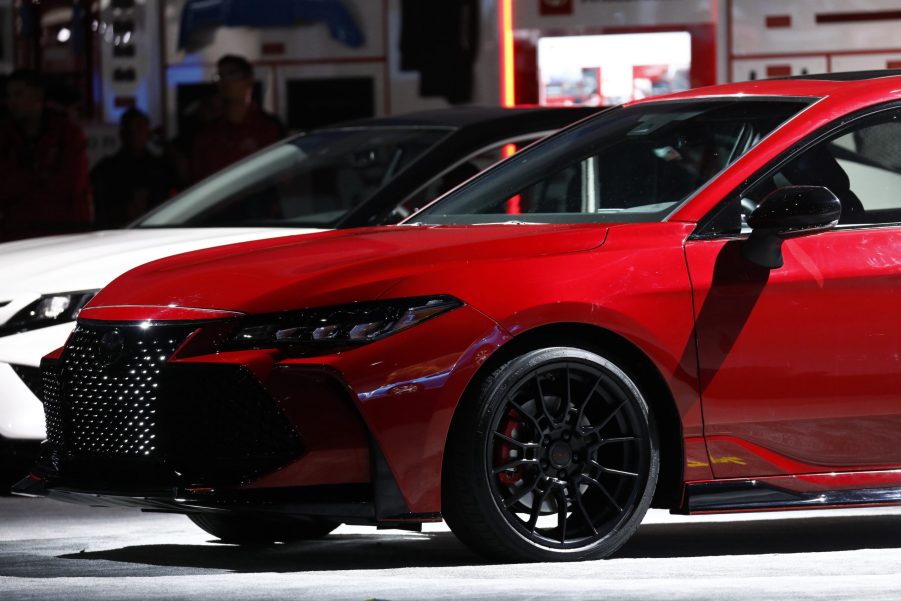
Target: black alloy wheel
x,y
251,529
557,459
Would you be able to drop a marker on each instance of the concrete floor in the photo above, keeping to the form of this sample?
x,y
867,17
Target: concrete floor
x,y
54,550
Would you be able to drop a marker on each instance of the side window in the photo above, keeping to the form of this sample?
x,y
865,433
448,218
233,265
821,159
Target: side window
x,y
871,156
646,172
570,190
311,180
457,175
861,165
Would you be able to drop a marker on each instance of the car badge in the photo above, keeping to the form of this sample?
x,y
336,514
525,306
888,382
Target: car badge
x,y
112,347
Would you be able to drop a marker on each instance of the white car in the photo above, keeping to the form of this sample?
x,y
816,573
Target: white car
x,y
370,172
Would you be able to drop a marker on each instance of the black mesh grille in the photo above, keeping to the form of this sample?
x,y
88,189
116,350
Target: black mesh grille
x,y
111,395
114,401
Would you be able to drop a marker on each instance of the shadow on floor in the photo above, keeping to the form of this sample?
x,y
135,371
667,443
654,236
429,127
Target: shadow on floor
x,y
336,552
759,537
360,551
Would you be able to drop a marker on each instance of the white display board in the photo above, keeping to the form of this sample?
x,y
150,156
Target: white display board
x,y
586,14
765,36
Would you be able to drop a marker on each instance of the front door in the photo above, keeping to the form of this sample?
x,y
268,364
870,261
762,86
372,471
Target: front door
x,y
800,366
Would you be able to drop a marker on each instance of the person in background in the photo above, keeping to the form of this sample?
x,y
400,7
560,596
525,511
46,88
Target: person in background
x,y
242,129
194,119
43,165
132,181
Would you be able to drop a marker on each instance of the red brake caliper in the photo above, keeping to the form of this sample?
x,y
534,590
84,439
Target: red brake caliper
x,y
504,451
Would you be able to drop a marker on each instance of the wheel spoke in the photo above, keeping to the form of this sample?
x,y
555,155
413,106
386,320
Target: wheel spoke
x,y
613,390
588,398
513,464
569,397
603,489
605,441
508,503
617,439
610,470
536,509
541,402
518,443
577,501
561,513
589,430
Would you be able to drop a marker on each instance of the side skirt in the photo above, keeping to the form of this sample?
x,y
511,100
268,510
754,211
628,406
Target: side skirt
x,y
762,495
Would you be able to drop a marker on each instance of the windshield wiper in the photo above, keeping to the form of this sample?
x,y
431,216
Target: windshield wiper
x,y
513,222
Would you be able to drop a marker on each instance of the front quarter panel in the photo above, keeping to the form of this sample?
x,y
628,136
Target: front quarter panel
x,y
406,388
635,285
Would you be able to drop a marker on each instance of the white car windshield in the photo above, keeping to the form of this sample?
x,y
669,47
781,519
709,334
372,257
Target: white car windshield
x,y
307,181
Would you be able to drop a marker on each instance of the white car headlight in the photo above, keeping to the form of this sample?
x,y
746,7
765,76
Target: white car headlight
x,y
49,310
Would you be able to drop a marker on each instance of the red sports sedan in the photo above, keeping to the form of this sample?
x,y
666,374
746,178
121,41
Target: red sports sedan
x,y
689,302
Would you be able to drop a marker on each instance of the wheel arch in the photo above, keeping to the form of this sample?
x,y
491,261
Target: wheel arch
x,y
631,359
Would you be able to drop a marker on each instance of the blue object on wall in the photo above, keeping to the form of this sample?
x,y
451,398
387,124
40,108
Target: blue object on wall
x,y
202,16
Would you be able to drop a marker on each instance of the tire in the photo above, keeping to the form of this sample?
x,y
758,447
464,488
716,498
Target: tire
x,y
555,459
247,529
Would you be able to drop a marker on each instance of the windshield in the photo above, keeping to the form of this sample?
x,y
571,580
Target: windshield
x,y
632,164
308,181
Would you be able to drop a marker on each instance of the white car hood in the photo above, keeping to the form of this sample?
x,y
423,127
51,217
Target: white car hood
x,y
89,261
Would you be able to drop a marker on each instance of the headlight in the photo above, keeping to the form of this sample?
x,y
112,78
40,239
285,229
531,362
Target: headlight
x,y
346,325
49,310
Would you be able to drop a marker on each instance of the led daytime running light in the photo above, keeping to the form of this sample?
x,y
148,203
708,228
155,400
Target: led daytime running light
x,y
344,325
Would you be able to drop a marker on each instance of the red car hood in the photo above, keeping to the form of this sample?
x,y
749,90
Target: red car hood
x,y
332,267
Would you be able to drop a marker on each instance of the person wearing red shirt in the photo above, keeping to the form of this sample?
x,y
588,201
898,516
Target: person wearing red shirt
x,y
243,127
43,165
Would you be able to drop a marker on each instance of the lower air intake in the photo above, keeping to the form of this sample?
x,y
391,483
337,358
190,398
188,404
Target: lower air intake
x,y
120,414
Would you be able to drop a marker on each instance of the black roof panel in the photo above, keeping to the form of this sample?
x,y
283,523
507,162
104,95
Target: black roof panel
x,y
847,75
466,116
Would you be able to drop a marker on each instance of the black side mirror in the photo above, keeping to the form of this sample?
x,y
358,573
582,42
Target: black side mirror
x,y
785,213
